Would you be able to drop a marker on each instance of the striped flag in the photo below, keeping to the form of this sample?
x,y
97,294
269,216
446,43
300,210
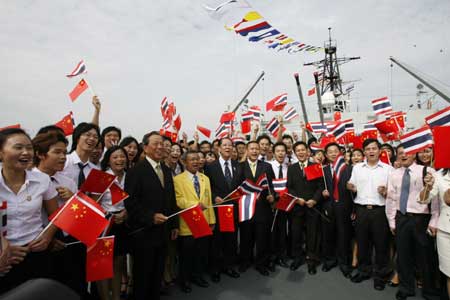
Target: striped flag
x,y
79,69
248,187
316,127
349,125
381,106
164,107
338,167
273,126
440,118
256,111
262,181
339,130
279,185
290,114
236,139
417,140
247,204
277,103
248,116
221,131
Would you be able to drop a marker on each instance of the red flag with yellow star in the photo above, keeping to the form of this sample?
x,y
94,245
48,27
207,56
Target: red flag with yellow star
x,y
384,157
82,218
78,90
66,124
226,218
196,222
99,259
117,194
97,182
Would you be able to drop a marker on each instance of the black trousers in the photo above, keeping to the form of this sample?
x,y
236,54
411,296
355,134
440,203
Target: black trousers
x,y
35,265
279,236
193,255
372,229
254,234
223,249
414,249
337,233
309,223
148,268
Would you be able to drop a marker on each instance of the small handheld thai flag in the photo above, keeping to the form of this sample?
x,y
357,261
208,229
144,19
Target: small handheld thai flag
x,y
79,69
248,187
247,204
262,181
440,118
248,116
256,111
417,140
273,127
349,125
339,130
339,166
316,127
290,114
279,185
381,105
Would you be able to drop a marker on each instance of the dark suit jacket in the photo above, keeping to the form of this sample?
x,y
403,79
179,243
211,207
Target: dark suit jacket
x,y
219,186
147,197
300,187
263,210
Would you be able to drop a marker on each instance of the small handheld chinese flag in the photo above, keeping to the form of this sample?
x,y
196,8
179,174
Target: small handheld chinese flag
x,y
313,171
78,90
384,157
99,259
117,194
66,124
205,131
82,218
226,218
441,146
286,202
97,182
196,222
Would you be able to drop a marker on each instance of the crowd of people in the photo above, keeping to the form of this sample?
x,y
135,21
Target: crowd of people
x,y
374,220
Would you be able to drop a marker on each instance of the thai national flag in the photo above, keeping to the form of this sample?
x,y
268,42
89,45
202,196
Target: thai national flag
x,y
256,111
221,131
349,125
248,116
290,114
381,105
316,127
166,124
417,140
277,103
164,106
279,185
79,69
339,166
262,181
339,131
330,125
247,204
369,126
440,118
273,126
236,139
249,187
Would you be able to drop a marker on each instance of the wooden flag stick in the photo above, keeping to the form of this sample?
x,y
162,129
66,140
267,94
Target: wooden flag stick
x,y
181,211
274,219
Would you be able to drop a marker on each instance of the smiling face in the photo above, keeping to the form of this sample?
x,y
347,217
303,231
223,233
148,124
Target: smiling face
x,y
117,161
132,150
192,162
175,153
88,141
55,158
17,152
301,152
167,148
111,138
252,151
357,157
154,148
280,153
332,153
226,148
264,145
425,156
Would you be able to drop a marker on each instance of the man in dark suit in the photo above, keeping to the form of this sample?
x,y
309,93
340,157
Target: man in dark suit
x,y
224,178
309,194
152,199
257,230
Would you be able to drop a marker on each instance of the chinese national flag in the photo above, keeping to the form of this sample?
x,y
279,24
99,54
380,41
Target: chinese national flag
x,y
369,134
177,122
387,126
441,146
384,157
226,218
286,202
393,136
196,222
246,127
227,117
357,142
117,194
78,90
99,260
66,124
205,131
313,171
97,182
312,91
236,194
325,140
82,218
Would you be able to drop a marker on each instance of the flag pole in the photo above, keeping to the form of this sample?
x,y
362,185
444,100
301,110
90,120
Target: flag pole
x,y
181,211
274,219
91,89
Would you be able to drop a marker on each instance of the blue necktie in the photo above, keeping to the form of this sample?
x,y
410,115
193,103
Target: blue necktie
x,y
197,186
228,177
404,194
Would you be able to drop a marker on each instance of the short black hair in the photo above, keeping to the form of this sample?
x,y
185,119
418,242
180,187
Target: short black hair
x,y
239,143
6,133
128,140
43,141
390,148
79,130
312,140
262,137
370,141
110,129
279,144
191,142
50,128
105,161
166,138
287,136
225,138
187,153
330,145
252,142
300,143
205,142
147,136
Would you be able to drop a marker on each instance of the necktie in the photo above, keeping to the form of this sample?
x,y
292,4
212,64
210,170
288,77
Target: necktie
x,y
159,173
302,166
280,171
81,177
197,186
404,194
263,158
253,168
289,160
228,177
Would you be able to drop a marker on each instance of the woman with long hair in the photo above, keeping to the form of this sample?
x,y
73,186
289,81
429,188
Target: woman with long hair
x,y
131,146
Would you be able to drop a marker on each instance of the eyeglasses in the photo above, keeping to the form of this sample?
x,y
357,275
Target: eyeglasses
x,y
90,135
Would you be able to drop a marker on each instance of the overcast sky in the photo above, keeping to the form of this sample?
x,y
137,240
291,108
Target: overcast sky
x,y
137,52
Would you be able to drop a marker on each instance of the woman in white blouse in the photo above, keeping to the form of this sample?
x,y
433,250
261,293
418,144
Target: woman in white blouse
x,y
441,188
115,162
25,192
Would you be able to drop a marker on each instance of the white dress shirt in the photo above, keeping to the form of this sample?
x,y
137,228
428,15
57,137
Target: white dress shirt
x,y
24,217
72,170
293,159
106,199
222,165
440,186
367,179
276,168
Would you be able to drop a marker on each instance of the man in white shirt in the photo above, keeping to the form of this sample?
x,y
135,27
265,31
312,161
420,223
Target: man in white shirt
x,y
369,180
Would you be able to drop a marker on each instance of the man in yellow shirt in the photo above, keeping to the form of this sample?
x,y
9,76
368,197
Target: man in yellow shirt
x,y
191,188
